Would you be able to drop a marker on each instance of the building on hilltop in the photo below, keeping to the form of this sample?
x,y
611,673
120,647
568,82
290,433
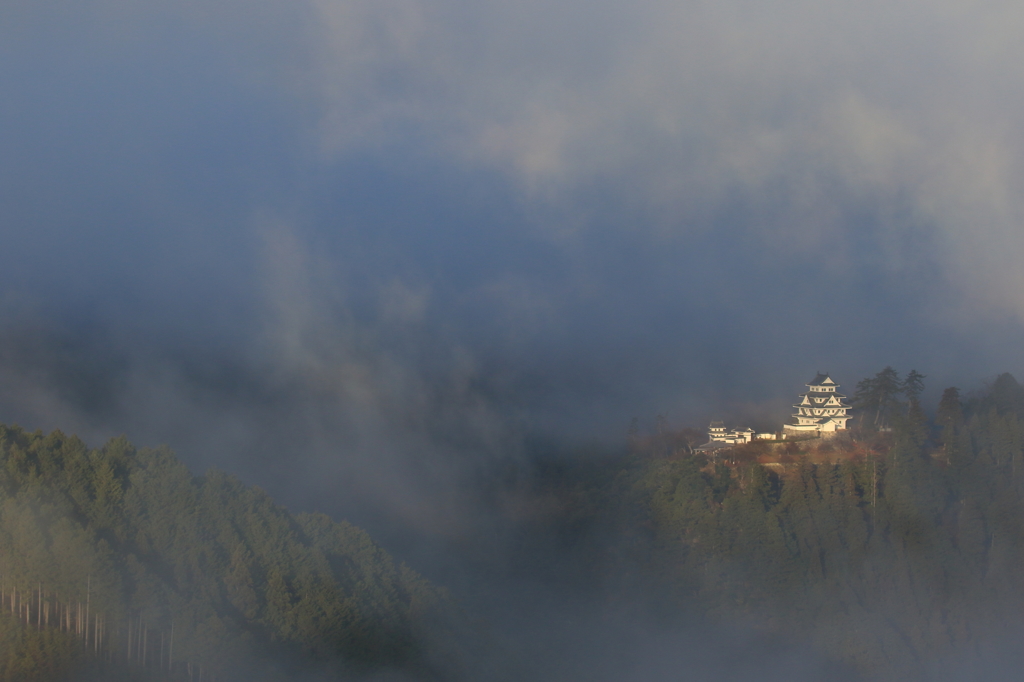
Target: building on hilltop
x,y
717,432
720,438
820,411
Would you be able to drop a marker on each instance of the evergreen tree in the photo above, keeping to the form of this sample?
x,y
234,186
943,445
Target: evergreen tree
x,y
949,417
913,385
877,396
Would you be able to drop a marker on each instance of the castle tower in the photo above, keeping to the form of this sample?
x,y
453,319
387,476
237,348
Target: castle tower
x,y
820,410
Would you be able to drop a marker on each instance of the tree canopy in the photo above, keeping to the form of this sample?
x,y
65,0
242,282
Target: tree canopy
x,y
248,589
895,555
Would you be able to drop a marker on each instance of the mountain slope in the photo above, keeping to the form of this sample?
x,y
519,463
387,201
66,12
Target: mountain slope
x,y
154,569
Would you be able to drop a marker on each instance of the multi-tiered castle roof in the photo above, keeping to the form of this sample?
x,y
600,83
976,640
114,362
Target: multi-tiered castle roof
x,y
820,410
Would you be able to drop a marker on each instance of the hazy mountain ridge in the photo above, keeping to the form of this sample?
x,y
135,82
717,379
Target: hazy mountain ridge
x,y
901,565
250,589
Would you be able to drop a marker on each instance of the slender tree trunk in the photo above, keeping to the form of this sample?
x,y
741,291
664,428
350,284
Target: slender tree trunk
x,y
88,594
874,480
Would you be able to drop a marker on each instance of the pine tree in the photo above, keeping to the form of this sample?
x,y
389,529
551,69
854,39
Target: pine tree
x,y
877,396
913,385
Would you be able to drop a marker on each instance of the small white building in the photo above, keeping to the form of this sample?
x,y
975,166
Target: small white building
x,y
718,434
719,438
821,410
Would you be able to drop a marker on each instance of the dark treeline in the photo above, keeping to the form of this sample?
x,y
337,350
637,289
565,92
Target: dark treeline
x,y
120,564
899,561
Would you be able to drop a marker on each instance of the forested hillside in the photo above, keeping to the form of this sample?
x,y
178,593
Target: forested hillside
x,y
897,559
118,563
900,563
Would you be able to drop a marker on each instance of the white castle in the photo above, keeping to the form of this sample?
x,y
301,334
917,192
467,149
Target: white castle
x,y
821,410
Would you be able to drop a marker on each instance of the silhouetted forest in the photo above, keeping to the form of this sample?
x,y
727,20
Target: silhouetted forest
x,y
118,563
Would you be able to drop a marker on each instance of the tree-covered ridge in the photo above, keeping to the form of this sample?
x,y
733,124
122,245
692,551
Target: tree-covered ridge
x,y
248,589
899,559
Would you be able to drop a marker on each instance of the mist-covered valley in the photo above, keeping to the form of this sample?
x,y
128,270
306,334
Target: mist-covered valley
x,y
420,309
